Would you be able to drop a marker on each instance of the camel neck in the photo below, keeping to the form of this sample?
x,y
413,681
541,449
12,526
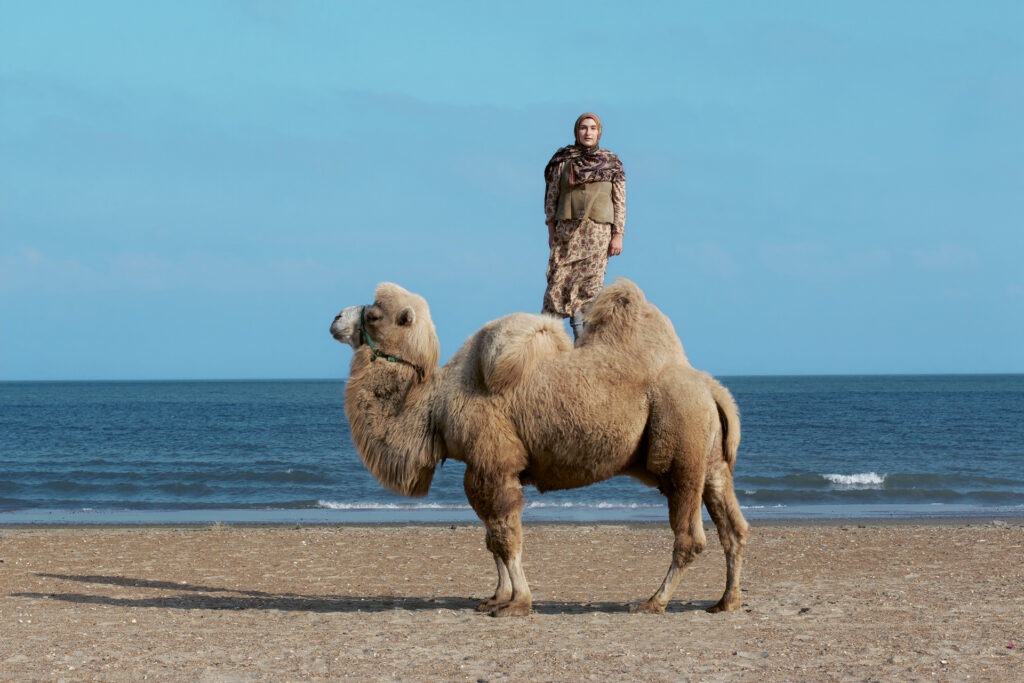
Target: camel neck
x,y
389,418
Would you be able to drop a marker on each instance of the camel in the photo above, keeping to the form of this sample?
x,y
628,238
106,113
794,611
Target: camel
x,y
520,404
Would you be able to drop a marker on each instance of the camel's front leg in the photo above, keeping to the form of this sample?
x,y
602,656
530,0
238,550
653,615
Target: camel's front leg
x,y
503,593
498,501
510,550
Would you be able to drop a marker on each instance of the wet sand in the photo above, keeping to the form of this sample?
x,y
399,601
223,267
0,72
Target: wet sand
x,y
850,600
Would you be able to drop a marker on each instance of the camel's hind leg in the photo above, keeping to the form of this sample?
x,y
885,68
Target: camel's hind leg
x,y
684,517
724,510
680,441
498,501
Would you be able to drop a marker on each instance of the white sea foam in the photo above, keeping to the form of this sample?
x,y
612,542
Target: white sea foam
x,y
331,505
864,480
600,505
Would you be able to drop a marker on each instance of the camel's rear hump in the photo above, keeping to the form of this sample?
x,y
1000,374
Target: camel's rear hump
x,y
619,305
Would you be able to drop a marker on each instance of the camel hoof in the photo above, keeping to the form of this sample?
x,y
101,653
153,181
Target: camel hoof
x,y
511,609
725,605
648,607
489,604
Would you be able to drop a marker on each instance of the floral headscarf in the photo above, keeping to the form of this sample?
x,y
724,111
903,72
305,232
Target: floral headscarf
x,y
586,164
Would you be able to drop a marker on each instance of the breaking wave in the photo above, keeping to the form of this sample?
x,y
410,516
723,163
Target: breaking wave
x,y
867,480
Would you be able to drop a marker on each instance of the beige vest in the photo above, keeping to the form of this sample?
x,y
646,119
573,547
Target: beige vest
x,y
589,200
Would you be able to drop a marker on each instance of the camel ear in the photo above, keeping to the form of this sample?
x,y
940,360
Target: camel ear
x,y
406,317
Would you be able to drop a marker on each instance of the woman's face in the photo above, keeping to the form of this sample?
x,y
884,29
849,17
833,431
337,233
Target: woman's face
x,y
587,132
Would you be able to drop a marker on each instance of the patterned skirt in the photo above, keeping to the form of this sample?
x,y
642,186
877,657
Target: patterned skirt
x,y
579,258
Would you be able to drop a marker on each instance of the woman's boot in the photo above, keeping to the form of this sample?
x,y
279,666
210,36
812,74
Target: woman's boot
x,y
577,326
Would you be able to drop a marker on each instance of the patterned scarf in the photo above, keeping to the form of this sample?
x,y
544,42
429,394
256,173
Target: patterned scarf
x,y
586,165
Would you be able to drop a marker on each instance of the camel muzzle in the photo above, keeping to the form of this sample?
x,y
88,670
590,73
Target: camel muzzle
x,y
345,327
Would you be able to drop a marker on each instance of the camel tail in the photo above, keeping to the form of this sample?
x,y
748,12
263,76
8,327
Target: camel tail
x,y
729,415
519,341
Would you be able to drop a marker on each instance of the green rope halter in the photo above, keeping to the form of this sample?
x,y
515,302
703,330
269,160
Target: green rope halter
x,y
377,353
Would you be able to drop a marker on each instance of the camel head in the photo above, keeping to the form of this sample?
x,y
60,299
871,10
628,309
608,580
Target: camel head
x,y
396,326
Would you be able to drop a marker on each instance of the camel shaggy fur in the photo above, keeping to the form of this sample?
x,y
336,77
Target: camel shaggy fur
x,y
519,404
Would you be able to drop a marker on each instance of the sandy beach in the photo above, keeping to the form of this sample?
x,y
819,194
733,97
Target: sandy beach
x,y
845,600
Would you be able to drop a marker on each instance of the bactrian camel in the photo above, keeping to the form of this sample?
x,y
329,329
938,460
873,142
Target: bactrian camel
x,y
520,405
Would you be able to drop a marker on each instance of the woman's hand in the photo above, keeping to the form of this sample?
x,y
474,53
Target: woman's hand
x,y
551,235
615,246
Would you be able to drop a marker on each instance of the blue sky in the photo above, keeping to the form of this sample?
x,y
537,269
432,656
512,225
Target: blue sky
x,y
194,189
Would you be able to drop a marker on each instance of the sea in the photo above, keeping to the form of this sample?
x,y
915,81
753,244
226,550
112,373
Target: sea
x,y
279,452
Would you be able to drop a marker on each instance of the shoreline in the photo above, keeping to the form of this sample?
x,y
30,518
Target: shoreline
x,y
457,515
755,523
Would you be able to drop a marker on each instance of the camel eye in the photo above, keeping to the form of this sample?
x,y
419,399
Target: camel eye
x,y
372,316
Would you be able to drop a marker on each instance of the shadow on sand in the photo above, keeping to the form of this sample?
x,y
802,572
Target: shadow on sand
x,y
190,597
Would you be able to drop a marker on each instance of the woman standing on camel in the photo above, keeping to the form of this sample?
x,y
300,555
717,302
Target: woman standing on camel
x,y
585,210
